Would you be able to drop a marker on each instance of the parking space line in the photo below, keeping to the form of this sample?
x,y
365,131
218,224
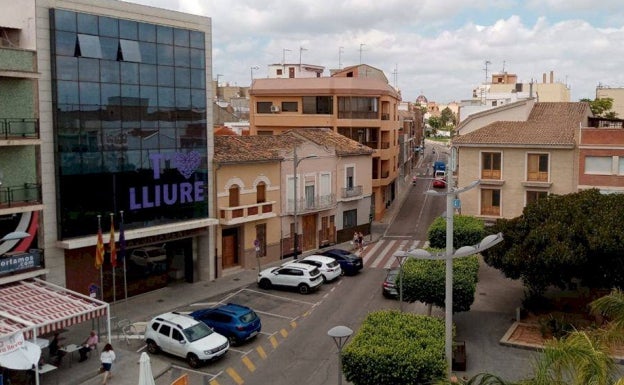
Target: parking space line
x,y
239,351
284,333
272,314
261,352
214,382
281,297
273,342
234,375
293,324
250,366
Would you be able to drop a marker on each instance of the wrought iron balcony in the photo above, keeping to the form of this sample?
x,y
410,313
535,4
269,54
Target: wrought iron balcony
x,y
29,193
11,128
318,203
350,192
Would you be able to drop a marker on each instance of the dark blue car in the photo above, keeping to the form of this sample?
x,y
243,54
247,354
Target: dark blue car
x,y
236,322
349,262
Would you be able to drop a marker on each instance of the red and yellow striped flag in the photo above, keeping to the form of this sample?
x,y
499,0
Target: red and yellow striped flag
x,y
99,249
113,249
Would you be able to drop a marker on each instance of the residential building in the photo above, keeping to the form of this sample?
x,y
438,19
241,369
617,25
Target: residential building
x,y
356,102
126,136
520,161
291,71
615,93
601,155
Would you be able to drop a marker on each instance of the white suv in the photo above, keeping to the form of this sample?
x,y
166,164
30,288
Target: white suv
x,y
291,275
329,268
185,337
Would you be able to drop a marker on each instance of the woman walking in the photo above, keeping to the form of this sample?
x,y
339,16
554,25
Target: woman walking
x,y
107,357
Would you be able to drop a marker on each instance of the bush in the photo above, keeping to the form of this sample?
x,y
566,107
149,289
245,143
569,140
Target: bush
x,y
467,231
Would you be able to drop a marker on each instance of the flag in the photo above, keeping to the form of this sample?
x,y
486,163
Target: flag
x,y
122,242
99,249
113,250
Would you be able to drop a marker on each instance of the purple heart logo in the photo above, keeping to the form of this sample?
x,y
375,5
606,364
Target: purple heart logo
x,y
187,163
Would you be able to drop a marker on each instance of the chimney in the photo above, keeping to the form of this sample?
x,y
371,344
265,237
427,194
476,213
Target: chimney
x,y
544,77
552,76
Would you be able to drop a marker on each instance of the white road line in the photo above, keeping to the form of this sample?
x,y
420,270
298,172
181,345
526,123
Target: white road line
x,y
381,255
279,296
272,314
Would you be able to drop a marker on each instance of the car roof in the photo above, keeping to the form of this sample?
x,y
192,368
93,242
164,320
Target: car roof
x,y
229,308
302,266
182,320
320,258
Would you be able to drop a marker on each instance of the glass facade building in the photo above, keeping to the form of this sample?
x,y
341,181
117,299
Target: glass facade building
x,y
129,103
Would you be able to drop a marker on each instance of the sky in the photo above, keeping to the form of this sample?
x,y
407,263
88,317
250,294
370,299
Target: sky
x,y
437,48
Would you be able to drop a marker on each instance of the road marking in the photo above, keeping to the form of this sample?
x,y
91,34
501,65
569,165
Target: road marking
x,y
273,314
261,352
273,341
293,324
214,382
284,333
250,366
281,297
238,379
239,351
382,254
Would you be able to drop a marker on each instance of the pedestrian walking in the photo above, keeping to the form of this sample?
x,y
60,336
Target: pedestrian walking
x,y
360,240
107,357
356,241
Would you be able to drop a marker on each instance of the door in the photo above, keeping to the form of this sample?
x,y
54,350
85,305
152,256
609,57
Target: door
x,y
309,232
229,247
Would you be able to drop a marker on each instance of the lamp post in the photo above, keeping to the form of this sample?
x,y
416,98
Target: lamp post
x,y
340,335
251,70
296,162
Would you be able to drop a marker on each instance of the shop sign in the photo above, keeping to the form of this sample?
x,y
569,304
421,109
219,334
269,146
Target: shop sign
x,y
12,262
11,343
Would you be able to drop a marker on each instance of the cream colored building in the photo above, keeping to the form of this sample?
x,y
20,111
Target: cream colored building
x,y
617,94
520,161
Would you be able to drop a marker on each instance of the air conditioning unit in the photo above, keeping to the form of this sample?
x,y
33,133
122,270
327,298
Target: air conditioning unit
x,y
274,108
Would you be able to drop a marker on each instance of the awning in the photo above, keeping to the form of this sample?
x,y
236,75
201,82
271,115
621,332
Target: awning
x,y
36,306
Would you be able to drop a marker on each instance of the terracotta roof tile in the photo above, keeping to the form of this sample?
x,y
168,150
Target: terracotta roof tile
x,y
328,138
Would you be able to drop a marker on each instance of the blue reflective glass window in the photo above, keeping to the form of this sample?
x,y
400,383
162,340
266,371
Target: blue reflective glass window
x,y
198,59
167,138
110,47
198,99
147,32
129,50
165,76
150,141
165,54
109,71
181,37
166,97
148,52
89,46
128,29
149,96
164,35
183,98
197,39
65,43
111,158
67,92
89,93
109,26
198,79
182,77
88,69
181,56
87,24
110,94
64,20
148,74
133,159
129,73
66,68
130,95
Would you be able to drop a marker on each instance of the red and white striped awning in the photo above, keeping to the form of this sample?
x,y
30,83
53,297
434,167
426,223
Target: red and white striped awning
x,y
35,305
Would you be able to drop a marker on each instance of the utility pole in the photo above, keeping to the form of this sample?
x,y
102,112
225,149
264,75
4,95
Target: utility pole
x,y
361,45
340,49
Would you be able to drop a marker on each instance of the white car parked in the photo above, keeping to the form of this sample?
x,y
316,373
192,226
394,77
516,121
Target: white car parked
x,y
304,278
329,268
185,337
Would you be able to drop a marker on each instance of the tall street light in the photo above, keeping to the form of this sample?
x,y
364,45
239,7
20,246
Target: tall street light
x,y
340,335
296,162
251,70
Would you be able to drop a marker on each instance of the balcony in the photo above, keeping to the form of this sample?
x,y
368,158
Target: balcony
x,y
385,116
319,203
17,196
18,63
19,128
351,192
247,213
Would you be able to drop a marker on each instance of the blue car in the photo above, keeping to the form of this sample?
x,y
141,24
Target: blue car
x,y
236,322
350,263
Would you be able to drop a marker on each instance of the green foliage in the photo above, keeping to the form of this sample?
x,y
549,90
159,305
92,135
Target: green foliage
x,y
562,240
447,117
424,281
467,231
601,107
393,348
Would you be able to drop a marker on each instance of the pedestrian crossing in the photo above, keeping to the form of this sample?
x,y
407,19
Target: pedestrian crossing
x,y
380,254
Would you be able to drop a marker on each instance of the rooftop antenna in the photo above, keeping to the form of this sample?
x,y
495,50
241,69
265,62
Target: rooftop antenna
x,y
361,45
340,49
503,66
487,62
395,74
301,49
284,55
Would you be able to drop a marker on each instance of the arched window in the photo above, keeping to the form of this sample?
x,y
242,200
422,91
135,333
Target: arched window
x,y
234,196
261,192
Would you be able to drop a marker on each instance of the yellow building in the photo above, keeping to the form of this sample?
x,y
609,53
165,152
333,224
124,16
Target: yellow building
x,y
356,102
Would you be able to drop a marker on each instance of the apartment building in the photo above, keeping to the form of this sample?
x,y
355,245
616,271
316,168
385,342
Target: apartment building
x,y
601,155
356,102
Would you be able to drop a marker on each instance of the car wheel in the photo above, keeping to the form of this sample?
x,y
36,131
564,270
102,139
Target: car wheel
x,y
342,272
325,280
265,283
192,360
152,347
304,289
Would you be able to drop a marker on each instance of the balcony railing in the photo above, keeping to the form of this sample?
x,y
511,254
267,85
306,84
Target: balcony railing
x,y
385,116
29,193
350,192
11,128
357,115
385,174
18,60
246,213
385,145
320,202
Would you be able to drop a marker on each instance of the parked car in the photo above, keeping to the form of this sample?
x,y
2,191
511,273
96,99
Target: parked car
x,y
237,322
149,256
330,269
184,336
350,263
388,287
439,179
304,278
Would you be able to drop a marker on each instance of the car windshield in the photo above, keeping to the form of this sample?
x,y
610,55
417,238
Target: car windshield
x,y
314,272
155,253
197,332
248,317
332,264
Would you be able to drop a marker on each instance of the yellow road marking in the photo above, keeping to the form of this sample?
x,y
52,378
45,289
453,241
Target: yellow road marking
x,y
235,376
214,382
284,333
273,342
293,324
250,366
261,352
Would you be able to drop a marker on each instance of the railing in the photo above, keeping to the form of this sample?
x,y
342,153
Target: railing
x,y
385,145
490,210
350,192
248,212
19,128
357,115
385,116
490,174
19,195
385,174
320,202
537,176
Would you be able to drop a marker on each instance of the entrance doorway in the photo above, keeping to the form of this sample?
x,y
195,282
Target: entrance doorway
x,y
309,232
229,247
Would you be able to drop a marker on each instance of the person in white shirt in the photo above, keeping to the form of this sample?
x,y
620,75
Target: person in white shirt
x,y
107,357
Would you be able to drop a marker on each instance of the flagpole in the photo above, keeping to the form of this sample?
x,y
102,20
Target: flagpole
x,y
113,255
99,217
122,253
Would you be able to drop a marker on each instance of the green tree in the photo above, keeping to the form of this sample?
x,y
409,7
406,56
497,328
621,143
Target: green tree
x,y
601,107
467,231
447,117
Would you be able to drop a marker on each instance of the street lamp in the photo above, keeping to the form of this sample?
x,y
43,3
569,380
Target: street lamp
x,y
296,162
340,335
251,70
